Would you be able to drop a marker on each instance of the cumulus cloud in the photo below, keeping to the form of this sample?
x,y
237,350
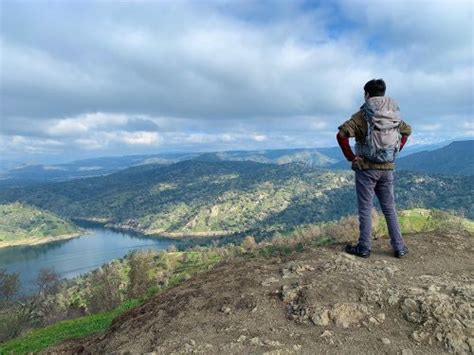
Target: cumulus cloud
x,y
124,77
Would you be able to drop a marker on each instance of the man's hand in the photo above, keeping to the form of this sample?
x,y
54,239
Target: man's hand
x,y
357,160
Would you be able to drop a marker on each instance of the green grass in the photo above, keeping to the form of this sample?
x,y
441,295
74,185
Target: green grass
x,y
40,339
418,220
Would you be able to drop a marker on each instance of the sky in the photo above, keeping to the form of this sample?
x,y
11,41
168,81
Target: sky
x,y
96,78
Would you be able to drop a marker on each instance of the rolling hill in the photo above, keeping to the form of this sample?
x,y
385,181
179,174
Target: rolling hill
x,y
22,224
200,198
457,158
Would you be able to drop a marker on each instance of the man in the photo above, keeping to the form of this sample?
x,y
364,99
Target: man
x,y
380,134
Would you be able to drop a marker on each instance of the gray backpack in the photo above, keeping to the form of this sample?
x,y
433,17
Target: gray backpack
x,y
382,141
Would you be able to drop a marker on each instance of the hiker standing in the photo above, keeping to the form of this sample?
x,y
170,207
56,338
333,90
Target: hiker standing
x,y
380,134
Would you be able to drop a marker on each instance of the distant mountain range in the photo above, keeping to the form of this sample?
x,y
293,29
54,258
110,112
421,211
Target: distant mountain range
x,y
411,158
13,174
196,197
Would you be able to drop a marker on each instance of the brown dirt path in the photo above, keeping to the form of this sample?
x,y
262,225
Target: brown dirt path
x,y
320,301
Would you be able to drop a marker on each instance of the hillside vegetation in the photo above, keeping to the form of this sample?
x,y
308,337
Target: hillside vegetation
x,y
206,197
260,293
22,224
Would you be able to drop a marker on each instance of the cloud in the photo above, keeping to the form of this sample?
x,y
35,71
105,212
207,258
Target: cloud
x,y
118,77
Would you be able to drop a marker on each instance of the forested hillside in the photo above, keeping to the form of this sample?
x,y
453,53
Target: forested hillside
x,y
21,223
205,197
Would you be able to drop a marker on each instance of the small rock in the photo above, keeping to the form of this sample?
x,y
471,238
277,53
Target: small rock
x,y
386,341
256,341
297,347
419,336
407,352
272,342
225,310
380,317
242,338
321,319
345,314
326,333
253,310
269,281
434,288
288,294
373,320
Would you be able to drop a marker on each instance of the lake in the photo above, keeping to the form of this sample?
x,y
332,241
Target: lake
x,y
72,257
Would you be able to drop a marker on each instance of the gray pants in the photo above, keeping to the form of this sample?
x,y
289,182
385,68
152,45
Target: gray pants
x,y
380,183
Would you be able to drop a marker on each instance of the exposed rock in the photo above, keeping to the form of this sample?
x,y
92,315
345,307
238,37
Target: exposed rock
x,y
241,338
346,314
294,268
225,310
256,341
326,333
269,281
380,317
320,318
289,293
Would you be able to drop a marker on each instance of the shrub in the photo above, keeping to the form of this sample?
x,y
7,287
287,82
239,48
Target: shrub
x,y
140,274
104,290
249,243
445,222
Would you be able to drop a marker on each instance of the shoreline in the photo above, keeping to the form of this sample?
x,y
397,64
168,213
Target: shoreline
x,y
177,235
44,240
105,223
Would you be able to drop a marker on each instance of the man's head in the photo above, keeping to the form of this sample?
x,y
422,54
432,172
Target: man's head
x,y
374,87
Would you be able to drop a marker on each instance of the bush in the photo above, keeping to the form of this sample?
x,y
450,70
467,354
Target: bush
x,y
140,274
445,222
104,290
342,230
249,243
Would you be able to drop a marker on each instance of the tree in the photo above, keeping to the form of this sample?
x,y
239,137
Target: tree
x,y
141,274
9,285
105,289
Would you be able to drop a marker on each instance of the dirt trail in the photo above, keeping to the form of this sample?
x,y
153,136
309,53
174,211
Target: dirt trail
x,y
320,301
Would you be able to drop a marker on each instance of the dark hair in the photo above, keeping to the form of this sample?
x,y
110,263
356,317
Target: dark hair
x,y
375,87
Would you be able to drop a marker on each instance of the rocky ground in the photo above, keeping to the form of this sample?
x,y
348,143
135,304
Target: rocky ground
x,y
319,301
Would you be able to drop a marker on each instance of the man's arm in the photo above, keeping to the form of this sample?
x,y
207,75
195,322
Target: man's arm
x,y
343,142
346,130
405,131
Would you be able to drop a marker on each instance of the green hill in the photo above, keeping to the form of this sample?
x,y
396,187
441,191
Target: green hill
x,y
456,158
220,197
22,224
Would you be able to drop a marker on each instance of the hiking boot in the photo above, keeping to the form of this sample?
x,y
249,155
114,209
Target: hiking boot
x,y
400,253
357,251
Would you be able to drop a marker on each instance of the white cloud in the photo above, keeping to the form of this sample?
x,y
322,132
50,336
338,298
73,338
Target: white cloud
x,y
140,138
85,123
210,76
